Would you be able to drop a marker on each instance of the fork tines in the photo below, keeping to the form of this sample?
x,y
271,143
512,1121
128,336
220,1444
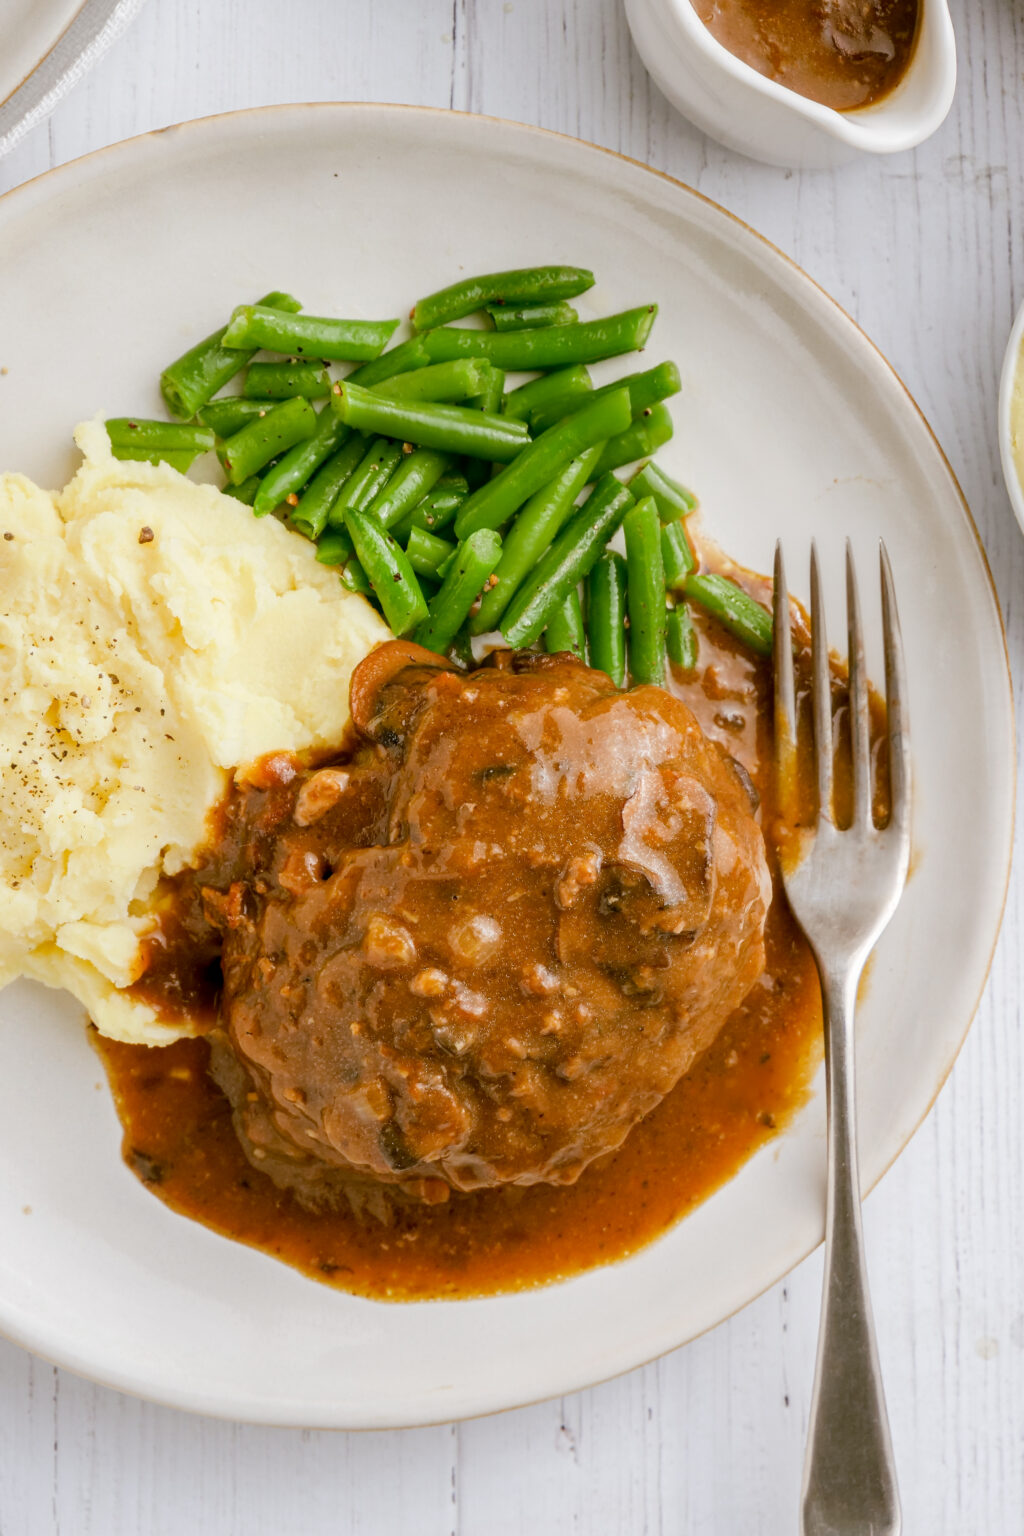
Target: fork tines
x,y
821,689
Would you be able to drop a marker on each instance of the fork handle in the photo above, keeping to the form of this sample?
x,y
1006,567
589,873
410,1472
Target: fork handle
x,y
849,1484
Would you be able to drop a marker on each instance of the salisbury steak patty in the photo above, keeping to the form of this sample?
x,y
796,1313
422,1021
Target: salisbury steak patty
x,y
484,946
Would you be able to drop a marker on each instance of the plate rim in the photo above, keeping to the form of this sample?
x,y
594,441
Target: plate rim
x,y
194,1402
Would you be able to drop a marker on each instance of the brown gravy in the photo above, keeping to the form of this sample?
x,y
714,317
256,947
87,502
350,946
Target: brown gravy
x,y
843,53
180,1141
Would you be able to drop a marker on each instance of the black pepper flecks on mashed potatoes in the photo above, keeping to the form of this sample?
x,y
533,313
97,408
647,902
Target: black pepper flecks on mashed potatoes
x,y
153,636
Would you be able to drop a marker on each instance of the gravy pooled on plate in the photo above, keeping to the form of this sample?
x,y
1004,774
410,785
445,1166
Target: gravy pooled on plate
x,y
384,1241
844,53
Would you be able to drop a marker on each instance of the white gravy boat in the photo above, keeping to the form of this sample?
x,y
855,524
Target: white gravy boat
x,y
749,113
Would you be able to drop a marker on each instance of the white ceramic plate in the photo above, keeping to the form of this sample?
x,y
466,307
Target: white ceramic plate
x,y
789,423
46,46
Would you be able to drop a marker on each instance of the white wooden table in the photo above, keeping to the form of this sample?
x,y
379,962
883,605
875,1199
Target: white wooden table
x,y
927,251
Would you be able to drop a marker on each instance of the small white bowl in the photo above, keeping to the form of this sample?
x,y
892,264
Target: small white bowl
x,y
1013,361
749,113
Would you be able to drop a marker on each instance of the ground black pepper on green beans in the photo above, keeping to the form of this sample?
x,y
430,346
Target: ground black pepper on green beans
x,y
407,356
388,571
545,457
472,566
531,535
550,346
646,389
414,478
369,477
195,377
290,474
439,508
523,285
423,435
265,437
450,428
315,504
569,561
226,417
309,336
280,381
132,437
427,552
646,435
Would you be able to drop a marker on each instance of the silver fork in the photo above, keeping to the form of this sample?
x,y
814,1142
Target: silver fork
x,y
842,892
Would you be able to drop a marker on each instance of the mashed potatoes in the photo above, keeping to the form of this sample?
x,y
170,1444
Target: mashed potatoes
x,y
154,635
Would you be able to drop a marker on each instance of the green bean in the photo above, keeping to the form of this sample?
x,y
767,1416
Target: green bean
x,y
335,547
681,638
451,382
387,567
450,428
311,514
367,480
255,325
531,534
530,400
195,377
645,592
525,285
300,463
131,437
493,391
544,458
569,561
740,614
355,578
646,434
521,317
551,346
445,567
426,552
263,438
280,381
438,509
246,492
677,556
177,458
414,478
606,616
478,471
565,631
228,416
462,647
674,500
401,359
645,389
474,562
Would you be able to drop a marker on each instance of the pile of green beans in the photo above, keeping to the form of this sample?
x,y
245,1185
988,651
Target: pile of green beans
x,y
459,504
